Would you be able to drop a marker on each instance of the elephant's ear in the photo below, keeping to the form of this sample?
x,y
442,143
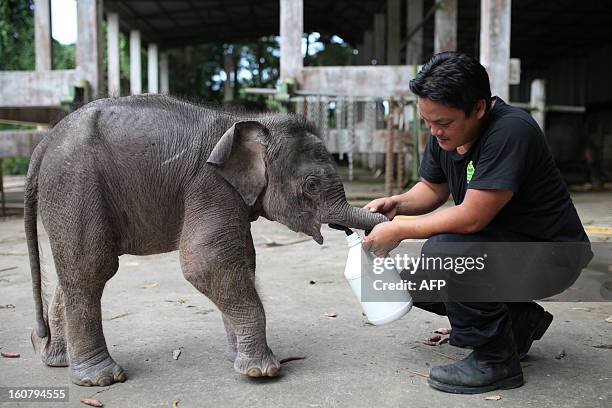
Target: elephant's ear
x,y
239,158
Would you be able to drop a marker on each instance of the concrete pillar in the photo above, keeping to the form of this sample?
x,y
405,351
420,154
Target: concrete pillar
x,y
112,24
291,31
445,31
538,101
152,69
414,47
89,45
380,38
135,64
164,82
393,31
42,35
495,44
228,85
368,47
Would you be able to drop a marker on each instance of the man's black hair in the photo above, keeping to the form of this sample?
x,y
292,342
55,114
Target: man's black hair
x,y
453,79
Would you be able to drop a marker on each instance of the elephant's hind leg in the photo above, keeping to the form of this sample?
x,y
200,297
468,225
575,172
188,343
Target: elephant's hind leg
x,y
54,353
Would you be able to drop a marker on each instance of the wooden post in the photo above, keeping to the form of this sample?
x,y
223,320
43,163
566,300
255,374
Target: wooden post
x,y
368,47
42,35
380,39
228,85
291,31
538,102
135,73
164,82
114,87
89,45
393,32
445,31
152,69
414,48
389,158
495,44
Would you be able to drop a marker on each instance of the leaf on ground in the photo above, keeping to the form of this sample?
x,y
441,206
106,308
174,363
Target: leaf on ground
x,y
150,285
431,341
92,402
330,314
176,353
119,316
175,404
604,346
493,398
561,355
609,319
443,330
9,354
292,358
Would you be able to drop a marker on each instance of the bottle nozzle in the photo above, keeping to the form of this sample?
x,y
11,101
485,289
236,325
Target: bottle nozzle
x,y
346,230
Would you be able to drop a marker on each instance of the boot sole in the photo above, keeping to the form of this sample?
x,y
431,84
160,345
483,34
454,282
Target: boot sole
x,y
505,384
538,332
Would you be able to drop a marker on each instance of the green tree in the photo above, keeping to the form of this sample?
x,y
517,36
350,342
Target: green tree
x,y
17,35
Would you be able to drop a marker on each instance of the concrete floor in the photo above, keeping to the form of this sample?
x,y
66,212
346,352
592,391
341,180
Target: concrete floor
x,y
149,310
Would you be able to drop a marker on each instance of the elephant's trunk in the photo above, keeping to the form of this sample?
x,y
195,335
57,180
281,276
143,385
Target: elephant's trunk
x,y
354,217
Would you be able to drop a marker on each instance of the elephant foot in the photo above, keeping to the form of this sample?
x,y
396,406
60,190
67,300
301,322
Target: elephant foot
x,y
104,373
264,366
55,357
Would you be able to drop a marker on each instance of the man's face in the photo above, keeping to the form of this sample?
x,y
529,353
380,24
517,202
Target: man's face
x,y
450,126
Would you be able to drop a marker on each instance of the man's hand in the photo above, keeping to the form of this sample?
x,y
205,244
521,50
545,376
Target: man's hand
x,y
386,205
383,238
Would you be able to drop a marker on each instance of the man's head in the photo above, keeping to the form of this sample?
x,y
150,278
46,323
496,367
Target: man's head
x,y
454,96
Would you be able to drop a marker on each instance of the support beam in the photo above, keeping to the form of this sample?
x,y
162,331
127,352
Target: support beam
x,y
228,85
112,23
372,81
414,47
19,142
495,44
42,35
368,47
135,63
291,31
445,31
393,31
538,102
36,88
89,45
380,38
164,83
152,69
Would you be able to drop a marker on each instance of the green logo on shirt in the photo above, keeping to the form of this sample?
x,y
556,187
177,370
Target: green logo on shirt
x,y
470,171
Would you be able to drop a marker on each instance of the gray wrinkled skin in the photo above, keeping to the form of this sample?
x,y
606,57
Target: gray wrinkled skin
x,y
150,174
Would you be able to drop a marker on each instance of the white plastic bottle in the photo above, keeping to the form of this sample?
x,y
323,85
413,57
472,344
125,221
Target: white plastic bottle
x,y
378,313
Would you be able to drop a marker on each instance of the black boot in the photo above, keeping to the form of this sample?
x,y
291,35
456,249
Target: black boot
x,y
529,323
487,368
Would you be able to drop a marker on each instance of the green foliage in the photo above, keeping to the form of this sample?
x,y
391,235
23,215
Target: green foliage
x,y
64,56
15,166
17,35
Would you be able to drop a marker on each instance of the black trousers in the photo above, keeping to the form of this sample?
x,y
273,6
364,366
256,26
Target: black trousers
x,y
477,323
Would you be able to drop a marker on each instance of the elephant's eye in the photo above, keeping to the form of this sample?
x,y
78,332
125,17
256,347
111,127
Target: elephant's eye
x,y
311,186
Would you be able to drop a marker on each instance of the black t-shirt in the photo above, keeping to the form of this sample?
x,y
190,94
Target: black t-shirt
x,y
511,154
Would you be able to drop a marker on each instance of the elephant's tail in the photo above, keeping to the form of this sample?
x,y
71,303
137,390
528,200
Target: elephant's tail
x,y
30,215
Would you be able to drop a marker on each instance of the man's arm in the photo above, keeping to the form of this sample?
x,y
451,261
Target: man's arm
x,y
424,197
476,212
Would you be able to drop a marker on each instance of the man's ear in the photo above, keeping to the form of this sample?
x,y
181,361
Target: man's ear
x,y
480,108
239,158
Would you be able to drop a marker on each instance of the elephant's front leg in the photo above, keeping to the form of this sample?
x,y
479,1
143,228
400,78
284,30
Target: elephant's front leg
x,y
216,265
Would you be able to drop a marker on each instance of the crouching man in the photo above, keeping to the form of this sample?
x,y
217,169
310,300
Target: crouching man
x,y
494,161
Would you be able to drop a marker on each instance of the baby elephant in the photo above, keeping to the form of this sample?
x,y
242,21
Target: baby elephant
x,y
149,174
